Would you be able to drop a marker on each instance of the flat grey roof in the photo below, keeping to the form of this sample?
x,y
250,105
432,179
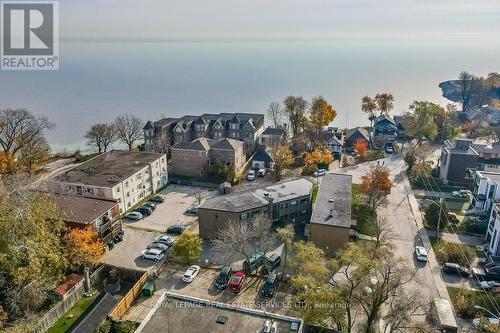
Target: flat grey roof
x,y
333,203
179,314
242,201
108,169
494,176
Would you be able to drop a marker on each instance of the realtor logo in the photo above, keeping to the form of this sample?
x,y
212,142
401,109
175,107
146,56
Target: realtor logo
x,y
29,35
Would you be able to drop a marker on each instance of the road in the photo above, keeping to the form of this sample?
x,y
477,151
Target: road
x,y
398,212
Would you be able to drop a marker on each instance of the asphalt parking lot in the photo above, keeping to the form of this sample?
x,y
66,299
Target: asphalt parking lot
x,y
171,212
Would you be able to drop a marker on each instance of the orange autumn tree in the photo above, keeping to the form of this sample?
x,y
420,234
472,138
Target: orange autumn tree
x,y
83,248
319,156
7,162
361,147
376,186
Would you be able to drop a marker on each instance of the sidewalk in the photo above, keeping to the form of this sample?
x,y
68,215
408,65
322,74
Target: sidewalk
x,y
458,238
433,264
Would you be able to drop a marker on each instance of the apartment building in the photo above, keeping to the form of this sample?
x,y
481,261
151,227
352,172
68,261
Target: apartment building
x,y
191,159
124,176
160,135
486,190
288,202
493,231
457,159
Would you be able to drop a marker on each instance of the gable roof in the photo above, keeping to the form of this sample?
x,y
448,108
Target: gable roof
x,y
263,156
256,119
329,136
226,143
148,126
361,130
382,118
202,144
274,131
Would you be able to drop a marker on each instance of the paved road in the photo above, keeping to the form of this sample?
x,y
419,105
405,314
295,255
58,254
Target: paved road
x,y
398,213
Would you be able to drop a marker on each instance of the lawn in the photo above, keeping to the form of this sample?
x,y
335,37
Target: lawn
x,y
464,300
65,322
364,218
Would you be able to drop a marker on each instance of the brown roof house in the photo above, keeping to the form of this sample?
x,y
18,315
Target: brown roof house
x,y
102,216
191,159
331,221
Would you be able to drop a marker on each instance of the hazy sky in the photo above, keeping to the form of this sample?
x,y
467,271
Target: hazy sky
x,y
289,19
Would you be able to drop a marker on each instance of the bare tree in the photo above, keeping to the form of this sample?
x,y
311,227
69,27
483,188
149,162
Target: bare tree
x,y
401,310
471,91
384,233
275,113
243,238
37,153
129,129
199,197
20,128
101,136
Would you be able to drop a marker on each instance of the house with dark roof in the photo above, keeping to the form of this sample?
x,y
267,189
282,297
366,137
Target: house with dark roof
x,y
191,159
385,130
160,135
121,175
272,137
457,159
262,159
355,134
331,223
333,138
489,156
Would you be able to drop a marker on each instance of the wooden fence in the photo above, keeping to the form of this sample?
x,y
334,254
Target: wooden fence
x,y
130,297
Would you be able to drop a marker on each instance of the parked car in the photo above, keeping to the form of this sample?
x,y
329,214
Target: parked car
x,y
167,240
254,262
152,254
193,211
251,175
191,273
157,245
485,324
136,216
271,263
460,194
452,217
270,286
237,281
144,210
158,198
421,253
389,150
223,278
175,229
320,172
456,269
488,285
151,205
261,172
119,236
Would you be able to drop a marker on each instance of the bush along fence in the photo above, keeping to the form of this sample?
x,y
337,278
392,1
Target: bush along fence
x,y
129,298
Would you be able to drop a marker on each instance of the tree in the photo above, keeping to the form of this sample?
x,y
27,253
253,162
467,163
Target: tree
x,y
384,233
101,136
376,185
410,160
7,163
295,109
361,147
384,103
82,248
319,156
188,246
419,121
468,85
129,129
421,172
223,172
275,113
31,254
286,235
432,215
243,238
283,158
20,129
35,154
321,115
369,107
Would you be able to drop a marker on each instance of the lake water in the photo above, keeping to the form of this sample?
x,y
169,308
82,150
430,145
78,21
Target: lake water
x,y
99,80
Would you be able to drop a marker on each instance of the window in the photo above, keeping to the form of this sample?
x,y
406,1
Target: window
x,y
244,216
128,194
303,212
118,189
303,201
284,206
126,184
293,203
283,218
491,193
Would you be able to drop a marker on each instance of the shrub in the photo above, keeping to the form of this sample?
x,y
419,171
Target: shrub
x,y
432,215
124,327
188,246
451,252
474,227
309,170
104,327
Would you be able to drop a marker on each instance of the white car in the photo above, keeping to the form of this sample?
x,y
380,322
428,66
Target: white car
x,y
460,194
421,253
320,172
191,273
167,240
251,175
134,216
261,172
152,254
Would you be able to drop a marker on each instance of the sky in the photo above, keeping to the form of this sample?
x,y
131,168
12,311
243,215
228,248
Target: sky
x,y
279,19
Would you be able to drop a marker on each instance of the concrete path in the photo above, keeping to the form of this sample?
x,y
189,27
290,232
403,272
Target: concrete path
x,y
459,238
434,194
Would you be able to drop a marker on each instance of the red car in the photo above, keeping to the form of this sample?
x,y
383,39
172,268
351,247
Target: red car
x,y
237,282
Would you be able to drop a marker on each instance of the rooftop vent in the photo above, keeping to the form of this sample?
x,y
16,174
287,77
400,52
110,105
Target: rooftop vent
x,y
331,200
266,194
221,320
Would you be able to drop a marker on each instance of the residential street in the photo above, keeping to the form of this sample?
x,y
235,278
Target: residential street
x,y
398,211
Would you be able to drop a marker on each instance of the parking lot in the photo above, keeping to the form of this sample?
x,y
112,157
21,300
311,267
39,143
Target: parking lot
x,y
171,212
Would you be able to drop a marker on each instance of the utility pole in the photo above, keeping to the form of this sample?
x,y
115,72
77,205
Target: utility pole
x,y
439,217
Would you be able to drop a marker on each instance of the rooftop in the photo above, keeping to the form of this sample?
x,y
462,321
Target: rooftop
x,y
460,146
82,209
246,200
108,169
361,130
493,176
176,314
274,131
202,144
333,204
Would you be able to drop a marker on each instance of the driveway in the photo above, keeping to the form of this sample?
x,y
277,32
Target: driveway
x,y
178,199
127,253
